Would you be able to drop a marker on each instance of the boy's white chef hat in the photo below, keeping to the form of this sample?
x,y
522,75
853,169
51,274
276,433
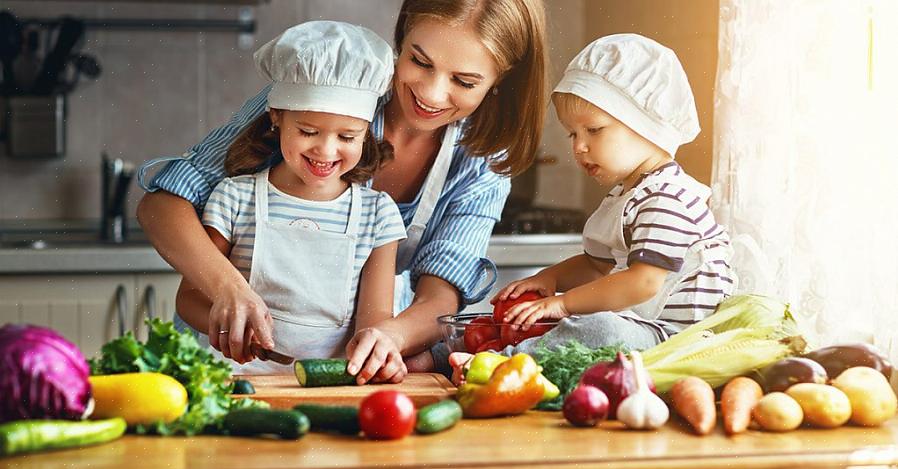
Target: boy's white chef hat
x,y
639,82
327,66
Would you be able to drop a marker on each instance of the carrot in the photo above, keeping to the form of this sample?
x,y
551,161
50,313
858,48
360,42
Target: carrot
x,y
738,399
693,399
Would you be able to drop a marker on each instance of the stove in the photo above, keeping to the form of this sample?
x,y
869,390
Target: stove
x,y
534,219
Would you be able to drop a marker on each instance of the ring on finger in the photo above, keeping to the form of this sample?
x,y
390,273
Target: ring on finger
x,y
224,331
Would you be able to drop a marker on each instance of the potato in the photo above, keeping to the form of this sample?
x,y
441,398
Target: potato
x,y
872,399
823,406
777,412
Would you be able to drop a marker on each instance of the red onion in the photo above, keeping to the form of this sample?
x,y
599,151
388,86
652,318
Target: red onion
x,y
616,379
585,406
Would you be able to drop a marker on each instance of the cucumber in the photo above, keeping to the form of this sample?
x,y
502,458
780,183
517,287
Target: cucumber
x,y
342,419
318,372
242,386
439,416
25,436
287,424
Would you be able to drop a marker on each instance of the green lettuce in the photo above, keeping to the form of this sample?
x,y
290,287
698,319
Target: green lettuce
x,y
178,355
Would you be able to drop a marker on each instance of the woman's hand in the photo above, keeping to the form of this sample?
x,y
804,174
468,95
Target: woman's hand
x,y
374,356
542,283
528,313
239,316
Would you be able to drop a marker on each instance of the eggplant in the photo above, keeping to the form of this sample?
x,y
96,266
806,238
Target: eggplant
x,y
838,358
783,374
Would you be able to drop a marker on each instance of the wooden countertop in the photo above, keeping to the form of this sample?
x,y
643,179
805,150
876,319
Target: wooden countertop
x,y
532,440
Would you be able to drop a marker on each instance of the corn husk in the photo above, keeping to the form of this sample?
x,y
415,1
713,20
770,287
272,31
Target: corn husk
x,y
745,333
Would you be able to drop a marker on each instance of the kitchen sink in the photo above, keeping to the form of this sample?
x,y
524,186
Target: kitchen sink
x,y
65,239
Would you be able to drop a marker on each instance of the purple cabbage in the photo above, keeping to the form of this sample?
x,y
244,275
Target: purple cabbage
x,y
42,375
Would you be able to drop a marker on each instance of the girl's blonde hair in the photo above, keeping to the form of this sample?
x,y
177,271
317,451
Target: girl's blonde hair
x,y
514,32
252,150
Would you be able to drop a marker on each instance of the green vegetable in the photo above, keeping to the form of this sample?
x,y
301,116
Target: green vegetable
x,y
24,436
745,333
178,355
242,386
343,419
564,365
438,416
319,372
287,424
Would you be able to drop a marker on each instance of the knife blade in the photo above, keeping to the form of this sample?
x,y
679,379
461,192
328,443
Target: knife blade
x,y
266,355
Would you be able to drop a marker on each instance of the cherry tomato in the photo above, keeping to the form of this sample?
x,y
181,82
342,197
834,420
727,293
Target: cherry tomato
x,y
387,415
502,306
478,331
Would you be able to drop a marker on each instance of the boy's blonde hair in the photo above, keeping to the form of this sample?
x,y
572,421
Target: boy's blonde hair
x,y
514,32
570,104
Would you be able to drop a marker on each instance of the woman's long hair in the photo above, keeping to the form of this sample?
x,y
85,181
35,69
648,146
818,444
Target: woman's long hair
x,y
514,32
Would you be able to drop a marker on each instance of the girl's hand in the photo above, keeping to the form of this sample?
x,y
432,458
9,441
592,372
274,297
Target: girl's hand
x,y
543,284
374,356
236,318
526,314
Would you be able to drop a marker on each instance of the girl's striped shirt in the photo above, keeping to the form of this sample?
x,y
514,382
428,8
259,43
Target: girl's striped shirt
x,y
231,211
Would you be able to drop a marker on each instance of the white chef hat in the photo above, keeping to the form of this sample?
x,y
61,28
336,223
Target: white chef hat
x,y
327,66
639,82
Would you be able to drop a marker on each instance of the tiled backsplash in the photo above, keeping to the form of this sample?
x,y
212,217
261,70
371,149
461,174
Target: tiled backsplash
x,y
162,91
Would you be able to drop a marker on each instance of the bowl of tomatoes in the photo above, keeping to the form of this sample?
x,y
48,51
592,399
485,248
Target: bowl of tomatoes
x,y
479,331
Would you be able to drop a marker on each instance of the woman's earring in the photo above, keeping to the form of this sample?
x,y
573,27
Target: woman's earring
x,y
273,128
495,91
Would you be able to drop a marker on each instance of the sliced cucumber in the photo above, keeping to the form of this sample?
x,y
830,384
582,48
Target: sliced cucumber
x,y
320,372
343,419
288,424
439,416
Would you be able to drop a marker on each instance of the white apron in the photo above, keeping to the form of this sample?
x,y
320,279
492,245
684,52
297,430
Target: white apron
x,y
305,277
430,194
605,227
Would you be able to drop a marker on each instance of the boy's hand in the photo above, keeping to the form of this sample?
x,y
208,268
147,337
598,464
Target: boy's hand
x,y
375,357
528,313
543,284
460,362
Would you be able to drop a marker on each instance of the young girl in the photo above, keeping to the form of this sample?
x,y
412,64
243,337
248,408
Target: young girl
x,y
318,247
655,261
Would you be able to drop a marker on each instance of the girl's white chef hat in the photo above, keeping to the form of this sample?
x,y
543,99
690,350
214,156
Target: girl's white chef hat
x,y
639,82
327,66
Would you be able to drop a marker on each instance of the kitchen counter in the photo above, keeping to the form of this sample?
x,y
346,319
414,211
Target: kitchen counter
x,y
532,440
73,250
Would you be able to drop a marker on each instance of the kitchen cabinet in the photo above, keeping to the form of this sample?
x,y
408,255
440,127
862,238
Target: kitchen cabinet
x,y
88,310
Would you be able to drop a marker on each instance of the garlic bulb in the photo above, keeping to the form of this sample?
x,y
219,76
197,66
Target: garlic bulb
x,y
642,410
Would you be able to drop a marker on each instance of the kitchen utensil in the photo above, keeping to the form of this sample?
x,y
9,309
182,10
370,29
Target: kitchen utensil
x,y
82,64
117,175
70,32
36,126
10,45
266,354
283,391
28,65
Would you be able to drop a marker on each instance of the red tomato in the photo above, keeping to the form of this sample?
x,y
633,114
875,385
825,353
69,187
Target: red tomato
x,y
502,306
510,336
494,344
387,415
478,331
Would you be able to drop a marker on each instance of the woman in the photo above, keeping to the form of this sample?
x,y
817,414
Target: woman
x,y
466,108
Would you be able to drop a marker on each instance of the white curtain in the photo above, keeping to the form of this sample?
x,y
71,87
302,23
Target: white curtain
x,y
806,131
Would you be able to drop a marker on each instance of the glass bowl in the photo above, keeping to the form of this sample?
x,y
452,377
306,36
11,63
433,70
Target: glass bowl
x,y
453,328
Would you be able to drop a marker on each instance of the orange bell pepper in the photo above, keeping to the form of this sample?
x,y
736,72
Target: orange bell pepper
x,y
513,388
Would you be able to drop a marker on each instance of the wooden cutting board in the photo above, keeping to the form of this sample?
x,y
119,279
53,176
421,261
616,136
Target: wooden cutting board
x,y
283,392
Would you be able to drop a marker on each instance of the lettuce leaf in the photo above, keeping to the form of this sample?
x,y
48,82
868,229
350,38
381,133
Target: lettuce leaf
x,y
178,355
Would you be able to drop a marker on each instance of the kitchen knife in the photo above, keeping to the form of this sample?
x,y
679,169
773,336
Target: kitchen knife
x,y
265,354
